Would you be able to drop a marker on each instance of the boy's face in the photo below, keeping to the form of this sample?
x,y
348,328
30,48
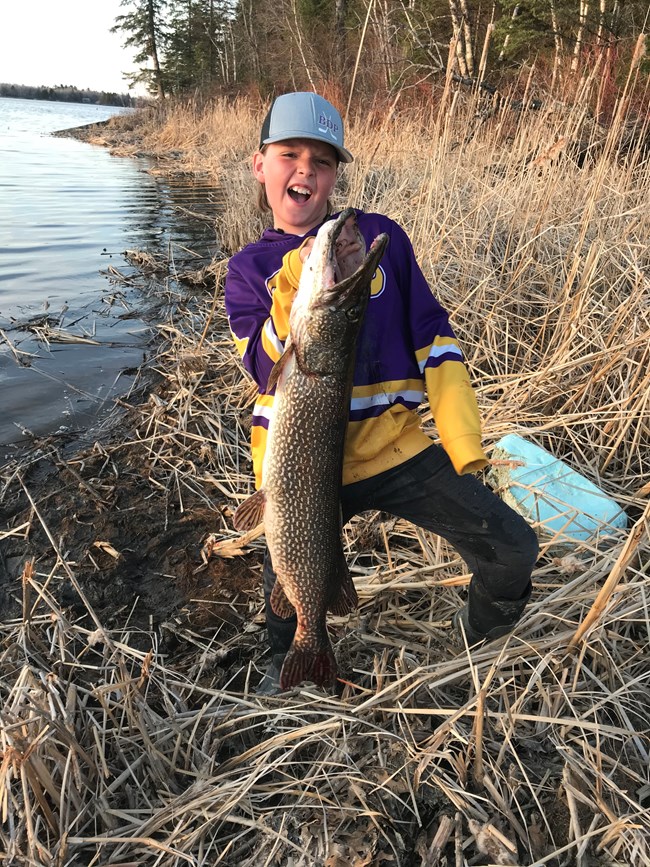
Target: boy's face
x,y
299,176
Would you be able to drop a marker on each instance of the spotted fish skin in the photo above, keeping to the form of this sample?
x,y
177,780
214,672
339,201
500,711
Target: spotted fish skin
x,y
301,477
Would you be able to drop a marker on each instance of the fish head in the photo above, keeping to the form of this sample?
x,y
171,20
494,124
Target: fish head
x,y
333,294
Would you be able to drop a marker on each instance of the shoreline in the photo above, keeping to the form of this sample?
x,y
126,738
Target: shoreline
x,y
60,465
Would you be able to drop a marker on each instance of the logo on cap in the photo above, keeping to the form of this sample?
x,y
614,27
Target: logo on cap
x,y
327,125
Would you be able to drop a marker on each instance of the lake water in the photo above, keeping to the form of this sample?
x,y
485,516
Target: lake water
x,y
68,210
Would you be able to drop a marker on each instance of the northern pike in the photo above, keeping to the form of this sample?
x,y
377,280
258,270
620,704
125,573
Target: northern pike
x,y
299,499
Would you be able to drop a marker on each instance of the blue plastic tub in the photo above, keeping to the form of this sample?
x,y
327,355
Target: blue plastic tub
x,y
565,507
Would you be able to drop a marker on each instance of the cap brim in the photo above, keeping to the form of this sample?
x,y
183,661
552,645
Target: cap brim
x,y
344,155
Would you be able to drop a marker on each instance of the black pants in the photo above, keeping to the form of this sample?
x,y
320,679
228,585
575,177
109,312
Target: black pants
x,y
499,547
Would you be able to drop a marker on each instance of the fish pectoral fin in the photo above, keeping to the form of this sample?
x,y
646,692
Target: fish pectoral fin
x,y
251,512
280,605
279,366
346,599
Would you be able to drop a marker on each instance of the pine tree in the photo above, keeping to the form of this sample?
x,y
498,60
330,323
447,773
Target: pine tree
x,y
143,24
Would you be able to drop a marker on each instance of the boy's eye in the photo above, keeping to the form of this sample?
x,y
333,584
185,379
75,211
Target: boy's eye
x,y
321,161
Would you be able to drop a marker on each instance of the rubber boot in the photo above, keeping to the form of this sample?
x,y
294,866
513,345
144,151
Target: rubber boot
x,y
485,618
280,634
270,683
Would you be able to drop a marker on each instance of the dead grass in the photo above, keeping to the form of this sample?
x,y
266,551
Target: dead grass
x,y
533,750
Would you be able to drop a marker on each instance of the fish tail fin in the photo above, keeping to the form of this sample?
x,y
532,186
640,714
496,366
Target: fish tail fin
x,y
302,664
346,599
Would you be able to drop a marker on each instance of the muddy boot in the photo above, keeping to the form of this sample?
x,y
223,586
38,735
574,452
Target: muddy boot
x,y
270,683
486,619
280,632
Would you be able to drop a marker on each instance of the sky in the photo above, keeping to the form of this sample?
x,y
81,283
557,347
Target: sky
x,y
50,42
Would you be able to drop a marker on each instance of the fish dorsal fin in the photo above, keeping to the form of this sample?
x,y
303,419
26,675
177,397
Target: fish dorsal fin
x,y
346,599
282,365
280,605
251,512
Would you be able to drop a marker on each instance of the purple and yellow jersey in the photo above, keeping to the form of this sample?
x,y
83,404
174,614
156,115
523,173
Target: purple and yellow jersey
x,y
406,347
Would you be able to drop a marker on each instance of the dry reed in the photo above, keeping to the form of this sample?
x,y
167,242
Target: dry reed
x,y
530,751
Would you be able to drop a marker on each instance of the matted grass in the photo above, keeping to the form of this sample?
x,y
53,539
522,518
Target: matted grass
x,y
533,750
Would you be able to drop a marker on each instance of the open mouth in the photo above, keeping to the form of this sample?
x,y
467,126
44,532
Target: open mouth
x,y
299,194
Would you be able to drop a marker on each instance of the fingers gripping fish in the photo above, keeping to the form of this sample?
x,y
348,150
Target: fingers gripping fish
x,y
301,476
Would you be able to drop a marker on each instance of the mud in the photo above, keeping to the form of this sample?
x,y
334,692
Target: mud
x,y
136,555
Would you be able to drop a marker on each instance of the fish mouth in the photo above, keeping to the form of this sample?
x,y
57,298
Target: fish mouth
x,y
299,193
344,292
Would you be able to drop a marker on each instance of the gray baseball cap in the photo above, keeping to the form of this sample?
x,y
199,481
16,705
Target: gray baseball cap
x,y
304,115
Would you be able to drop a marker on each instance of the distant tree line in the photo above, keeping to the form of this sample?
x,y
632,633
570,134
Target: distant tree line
x,y
374,47
65,93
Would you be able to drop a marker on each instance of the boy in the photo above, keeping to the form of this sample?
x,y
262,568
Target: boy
x,y
406,345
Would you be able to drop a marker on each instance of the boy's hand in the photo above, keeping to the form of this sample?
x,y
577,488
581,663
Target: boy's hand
x,y
305,250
